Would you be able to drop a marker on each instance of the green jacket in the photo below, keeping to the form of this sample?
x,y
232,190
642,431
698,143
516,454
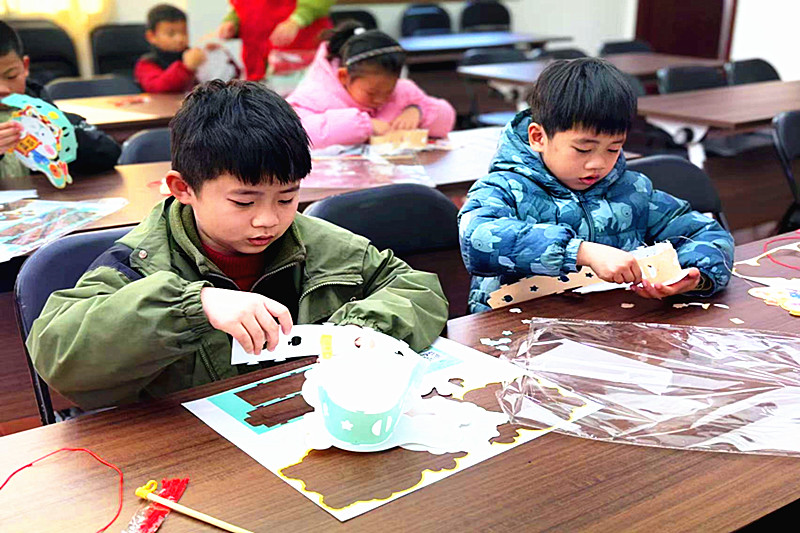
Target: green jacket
x,y
134,327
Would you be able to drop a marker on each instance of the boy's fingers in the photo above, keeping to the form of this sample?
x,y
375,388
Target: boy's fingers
x,y
241,335
256,333
281,314
269,327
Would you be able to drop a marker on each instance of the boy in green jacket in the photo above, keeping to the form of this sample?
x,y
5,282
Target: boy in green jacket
x,y
227,255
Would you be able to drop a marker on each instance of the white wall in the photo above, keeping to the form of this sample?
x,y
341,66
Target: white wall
x,y
136,10
767,29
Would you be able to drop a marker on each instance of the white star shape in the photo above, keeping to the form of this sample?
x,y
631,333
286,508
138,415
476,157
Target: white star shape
x,y
347,425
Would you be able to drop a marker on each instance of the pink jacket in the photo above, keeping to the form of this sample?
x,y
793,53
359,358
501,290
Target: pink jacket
x,y
331,116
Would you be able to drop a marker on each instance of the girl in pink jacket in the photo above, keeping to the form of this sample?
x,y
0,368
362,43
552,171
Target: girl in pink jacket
x,y
352,90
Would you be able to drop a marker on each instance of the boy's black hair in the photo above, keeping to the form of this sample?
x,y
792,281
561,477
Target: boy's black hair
x,y
9,40
241,128
587,93
163,13
345,43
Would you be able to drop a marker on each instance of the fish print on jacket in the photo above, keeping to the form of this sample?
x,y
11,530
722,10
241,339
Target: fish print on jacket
x,y
520,221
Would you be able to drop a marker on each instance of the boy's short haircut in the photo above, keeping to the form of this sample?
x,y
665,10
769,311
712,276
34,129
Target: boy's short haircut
x,y
9,40
239,128
586,93
163,13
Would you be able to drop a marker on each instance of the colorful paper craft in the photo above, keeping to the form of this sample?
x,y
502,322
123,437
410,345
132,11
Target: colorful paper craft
x,y
781,292
47,142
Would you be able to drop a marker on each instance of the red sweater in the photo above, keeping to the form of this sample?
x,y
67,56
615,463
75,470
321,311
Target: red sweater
x,y
154,79
244,270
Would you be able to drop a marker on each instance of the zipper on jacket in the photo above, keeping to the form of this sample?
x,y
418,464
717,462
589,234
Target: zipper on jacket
x,y
272,273
324,284
207,364
588,218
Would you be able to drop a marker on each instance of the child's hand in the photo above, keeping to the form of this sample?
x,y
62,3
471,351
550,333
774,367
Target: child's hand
x,y
10,132
409,119
227,30
611,264
379,127
284,33
248,317
659,290
193,58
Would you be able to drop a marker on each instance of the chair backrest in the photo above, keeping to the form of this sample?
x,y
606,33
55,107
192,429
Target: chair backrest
x,y
485,15
424,19
786,138
560,53
485,56
362,16
682,179
679,79
49,47
146,146
750,71
117,47
624,47
417,222
55,266
107,85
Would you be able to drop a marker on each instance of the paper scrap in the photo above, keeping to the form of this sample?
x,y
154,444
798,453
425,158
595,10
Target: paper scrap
x,y
627,305
515,310
506,332
722,306
737,321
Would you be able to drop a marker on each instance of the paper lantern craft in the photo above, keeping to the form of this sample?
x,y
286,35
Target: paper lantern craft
x,y
47,142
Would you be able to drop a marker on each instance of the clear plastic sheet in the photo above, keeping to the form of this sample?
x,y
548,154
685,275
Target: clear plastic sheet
x,y
696,388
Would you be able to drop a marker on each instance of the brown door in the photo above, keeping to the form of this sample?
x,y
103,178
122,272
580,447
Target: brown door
x,y
700,28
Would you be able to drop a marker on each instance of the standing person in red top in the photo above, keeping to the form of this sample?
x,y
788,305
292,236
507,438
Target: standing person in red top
x,y
264,25
171,66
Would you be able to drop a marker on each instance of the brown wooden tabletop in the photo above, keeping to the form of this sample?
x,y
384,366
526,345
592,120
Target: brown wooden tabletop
x,y
738,107
645,65
451,46
554,482
452,171
122,116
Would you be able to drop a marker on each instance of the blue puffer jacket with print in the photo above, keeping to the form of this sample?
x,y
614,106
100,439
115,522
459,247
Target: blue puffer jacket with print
x,y
520,221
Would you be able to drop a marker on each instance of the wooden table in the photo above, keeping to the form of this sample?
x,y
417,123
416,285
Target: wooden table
x,y
641,65
733,109
451,46
452,171
555,482
122,116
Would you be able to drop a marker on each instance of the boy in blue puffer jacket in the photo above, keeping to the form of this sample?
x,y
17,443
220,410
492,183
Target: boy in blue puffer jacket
x,y
559,196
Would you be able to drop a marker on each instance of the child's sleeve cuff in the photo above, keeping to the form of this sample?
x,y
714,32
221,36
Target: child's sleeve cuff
x,y
571,255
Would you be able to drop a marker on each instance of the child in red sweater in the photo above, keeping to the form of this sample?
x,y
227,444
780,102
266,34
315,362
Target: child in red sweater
x,y
171,66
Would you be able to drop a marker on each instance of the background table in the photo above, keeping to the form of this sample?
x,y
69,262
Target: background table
x,y
554,482
451,46
122,116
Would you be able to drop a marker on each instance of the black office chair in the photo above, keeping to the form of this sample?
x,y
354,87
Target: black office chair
x,y
682,179
50,48
624,47
107,85
117,47
55,266
692,78
750,71
786,137
362,16
146,146
485,15
424,19
559,53
416,222
485,56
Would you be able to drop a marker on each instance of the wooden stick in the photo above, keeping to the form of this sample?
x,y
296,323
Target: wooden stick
x,y
142,492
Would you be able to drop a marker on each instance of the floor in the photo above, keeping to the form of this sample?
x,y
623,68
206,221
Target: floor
x,y
754,196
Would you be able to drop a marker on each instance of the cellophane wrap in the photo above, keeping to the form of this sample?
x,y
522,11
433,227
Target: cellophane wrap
x,y
694,388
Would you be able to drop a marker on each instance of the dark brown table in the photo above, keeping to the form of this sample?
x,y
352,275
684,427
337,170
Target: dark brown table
x,y
453,171
451,46
555,482
122,116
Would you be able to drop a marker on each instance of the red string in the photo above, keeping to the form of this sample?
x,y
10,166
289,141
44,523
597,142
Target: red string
x,y
119,509
778,239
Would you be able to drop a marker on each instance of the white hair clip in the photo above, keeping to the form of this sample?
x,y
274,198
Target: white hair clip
x,y
359,31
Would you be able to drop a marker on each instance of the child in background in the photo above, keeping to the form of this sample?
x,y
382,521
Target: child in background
x,y
353,90
96,150
171,66
559,196
264,25
226,255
